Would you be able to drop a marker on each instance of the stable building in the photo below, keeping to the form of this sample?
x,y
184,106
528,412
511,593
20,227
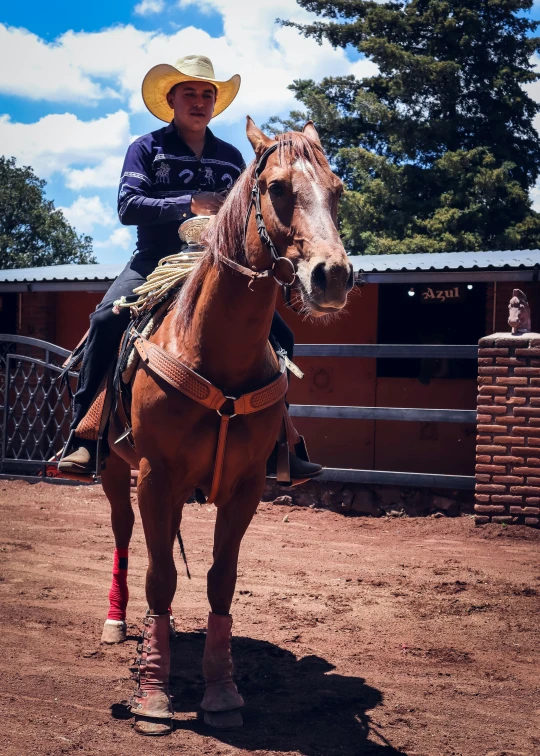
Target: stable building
x,y
408,339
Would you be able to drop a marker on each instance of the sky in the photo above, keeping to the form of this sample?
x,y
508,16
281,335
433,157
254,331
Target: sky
x,y
71,74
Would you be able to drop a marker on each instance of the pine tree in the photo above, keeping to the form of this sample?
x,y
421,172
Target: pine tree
x,y
32,231
439,148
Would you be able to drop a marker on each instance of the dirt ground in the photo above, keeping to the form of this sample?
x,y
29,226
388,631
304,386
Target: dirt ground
x,y
353,636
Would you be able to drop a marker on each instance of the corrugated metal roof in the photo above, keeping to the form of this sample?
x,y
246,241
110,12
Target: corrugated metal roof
x,y
367,263
100,272
527,258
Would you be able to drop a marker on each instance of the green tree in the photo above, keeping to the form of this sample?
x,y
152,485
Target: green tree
x,y
438,150
32,231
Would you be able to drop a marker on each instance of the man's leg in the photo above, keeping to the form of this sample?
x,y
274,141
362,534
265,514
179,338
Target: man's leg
x,y
283,334
100,352
299,468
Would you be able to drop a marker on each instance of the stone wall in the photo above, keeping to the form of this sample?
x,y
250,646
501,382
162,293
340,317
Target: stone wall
x,y
508,440
373,500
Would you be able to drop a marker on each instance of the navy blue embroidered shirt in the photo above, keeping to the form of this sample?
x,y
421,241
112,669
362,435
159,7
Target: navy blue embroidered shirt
x,y
159,177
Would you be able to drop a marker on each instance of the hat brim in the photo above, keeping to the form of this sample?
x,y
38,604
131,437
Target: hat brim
x,y
160,79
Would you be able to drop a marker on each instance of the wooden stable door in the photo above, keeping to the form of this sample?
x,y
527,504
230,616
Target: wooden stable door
x,y
337,381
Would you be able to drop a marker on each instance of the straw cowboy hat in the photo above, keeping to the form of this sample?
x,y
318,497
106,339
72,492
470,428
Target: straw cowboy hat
x,y
160,79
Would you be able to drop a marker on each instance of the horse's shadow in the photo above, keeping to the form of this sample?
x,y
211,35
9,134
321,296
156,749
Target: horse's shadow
x,y
292,704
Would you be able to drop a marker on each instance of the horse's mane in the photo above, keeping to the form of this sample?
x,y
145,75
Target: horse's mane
x,y
226,234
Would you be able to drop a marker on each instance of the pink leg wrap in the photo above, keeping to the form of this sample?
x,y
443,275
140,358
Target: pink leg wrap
x,y
119,593
221,692
151,699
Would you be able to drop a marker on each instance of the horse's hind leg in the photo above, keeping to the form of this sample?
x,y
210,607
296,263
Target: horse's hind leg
x,y
222,702
116,484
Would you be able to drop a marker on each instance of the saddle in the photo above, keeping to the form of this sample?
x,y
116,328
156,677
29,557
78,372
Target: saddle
x,y
114,395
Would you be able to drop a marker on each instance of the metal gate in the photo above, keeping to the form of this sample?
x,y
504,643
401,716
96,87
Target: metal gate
x,y
35,410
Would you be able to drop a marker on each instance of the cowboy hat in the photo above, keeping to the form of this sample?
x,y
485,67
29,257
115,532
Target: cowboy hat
x,y
160,79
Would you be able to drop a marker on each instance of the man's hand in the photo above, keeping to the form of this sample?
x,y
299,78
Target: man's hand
x,y
207,203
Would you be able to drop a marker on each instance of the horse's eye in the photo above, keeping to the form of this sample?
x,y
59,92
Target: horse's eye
x,y
277,189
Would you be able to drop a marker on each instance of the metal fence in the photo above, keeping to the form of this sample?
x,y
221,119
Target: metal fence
x,y
388,351
35,411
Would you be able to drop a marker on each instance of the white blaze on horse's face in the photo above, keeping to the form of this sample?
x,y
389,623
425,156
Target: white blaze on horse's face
x,y
304,166
324,273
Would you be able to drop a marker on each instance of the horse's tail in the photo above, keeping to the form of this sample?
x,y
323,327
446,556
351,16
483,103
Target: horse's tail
x,y
183,552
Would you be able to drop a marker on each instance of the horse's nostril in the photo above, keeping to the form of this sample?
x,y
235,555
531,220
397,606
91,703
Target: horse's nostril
x,y
318,276
350,280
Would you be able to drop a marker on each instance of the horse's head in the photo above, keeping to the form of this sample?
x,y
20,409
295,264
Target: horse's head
x,y
299,194
519,312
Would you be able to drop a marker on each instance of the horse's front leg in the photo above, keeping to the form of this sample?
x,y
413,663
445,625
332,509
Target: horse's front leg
x,y
151,701
222,702
116,480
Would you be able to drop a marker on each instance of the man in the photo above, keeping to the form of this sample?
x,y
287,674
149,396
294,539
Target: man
x,y
169,175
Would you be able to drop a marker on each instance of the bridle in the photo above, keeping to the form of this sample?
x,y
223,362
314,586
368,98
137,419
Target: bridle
x,y
282,269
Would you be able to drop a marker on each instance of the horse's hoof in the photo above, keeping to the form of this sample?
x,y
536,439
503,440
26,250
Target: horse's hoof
x,y
114,631
224,720
152,726
172,628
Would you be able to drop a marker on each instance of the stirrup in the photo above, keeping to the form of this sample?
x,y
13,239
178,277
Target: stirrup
x,y
83,477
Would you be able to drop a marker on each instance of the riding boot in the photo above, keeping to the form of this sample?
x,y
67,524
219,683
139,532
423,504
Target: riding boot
x,y
82,460
300,469
287,466
151,702
221,692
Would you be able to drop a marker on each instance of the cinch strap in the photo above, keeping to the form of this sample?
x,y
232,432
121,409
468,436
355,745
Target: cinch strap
x,y
193,385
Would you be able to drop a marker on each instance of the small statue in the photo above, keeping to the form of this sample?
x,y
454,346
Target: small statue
x,y
519,317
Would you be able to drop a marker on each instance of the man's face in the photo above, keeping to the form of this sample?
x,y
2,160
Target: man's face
x,y
193,105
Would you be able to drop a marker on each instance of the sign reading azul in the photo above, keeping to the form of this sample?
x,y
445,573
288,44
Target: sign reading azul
x,y
431,294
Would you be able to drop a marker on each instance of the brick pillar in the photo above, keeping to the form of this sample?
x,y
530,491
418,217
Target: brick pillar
x,y
508,440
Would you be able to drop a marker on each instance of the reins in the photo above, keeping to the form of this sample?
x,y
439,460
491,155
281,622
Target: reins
x,y
284,276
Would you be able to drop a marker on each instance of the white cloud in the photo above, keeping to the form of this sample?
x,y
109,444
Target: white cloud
x,y
533,90
42,71
56,142
534,194
147,7
121,238
88,212
105,174
90,66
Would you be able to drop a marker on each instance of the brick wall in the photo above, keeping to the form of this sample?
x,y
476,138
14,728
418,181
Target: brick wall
x,y
508,440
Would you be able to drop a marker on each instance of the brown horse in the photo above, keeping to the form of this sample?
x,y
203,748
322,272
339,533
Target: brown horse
x,y
219,327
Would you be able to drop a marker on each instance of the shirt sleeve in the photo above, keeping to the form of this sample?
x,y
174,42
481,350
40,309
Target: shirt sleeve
x,y
135,207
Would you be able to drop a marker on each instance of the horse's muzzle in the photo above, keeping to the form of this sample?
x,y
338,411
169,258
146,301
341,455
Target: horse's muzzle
x,y
330,282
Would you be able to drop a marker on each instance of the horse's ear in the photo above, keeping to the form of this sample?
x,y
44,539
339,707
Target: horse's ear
x,y
258,140
311,132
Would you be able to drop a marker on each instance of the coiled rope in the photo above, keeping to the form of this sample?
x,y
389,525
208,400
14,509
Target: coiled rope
x,y
171,271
